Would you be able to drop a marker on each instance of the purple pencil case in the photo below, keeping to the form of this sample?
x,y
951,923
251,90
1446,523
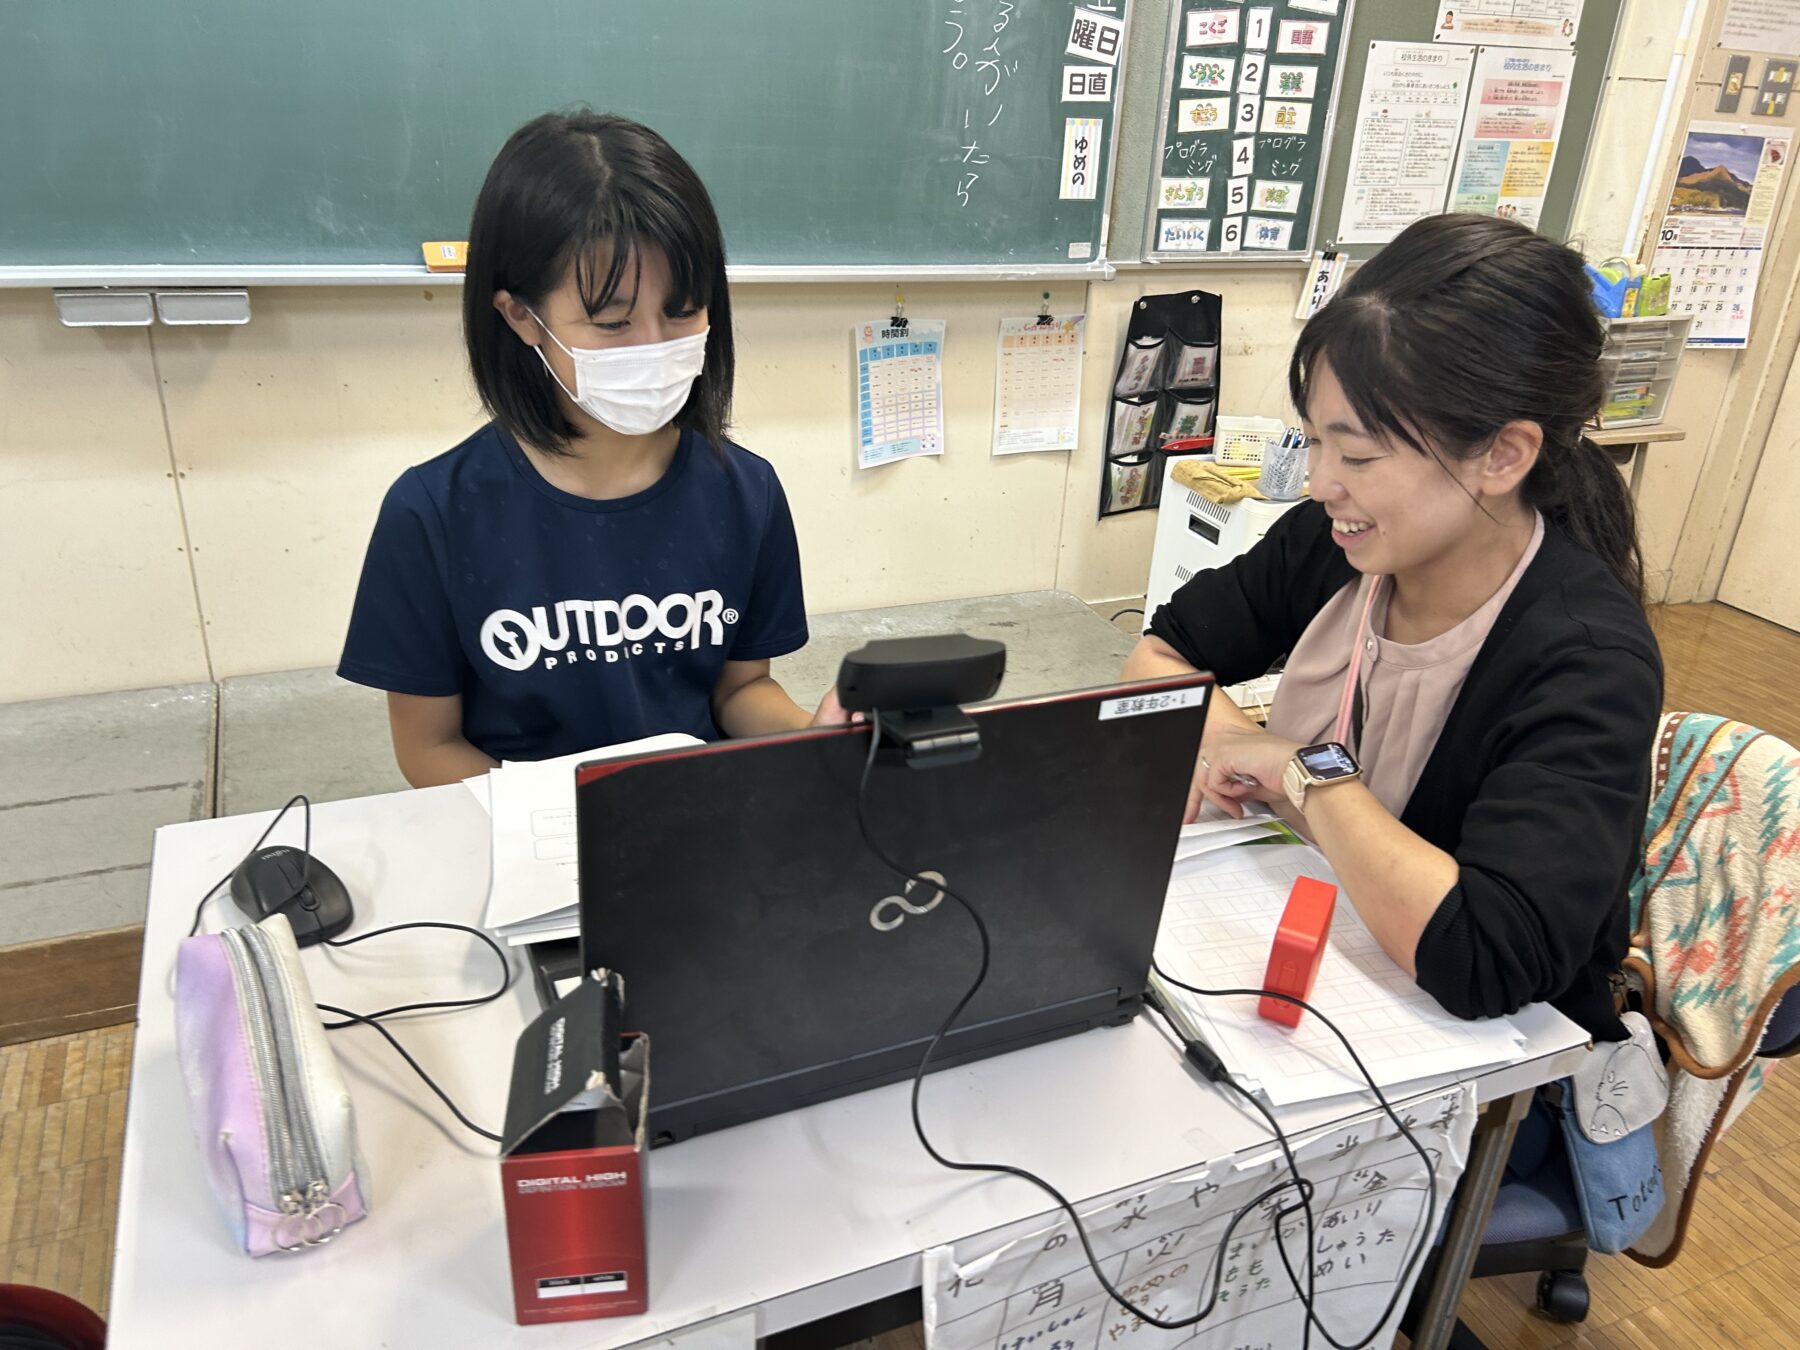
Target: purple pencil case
x,y
275,1125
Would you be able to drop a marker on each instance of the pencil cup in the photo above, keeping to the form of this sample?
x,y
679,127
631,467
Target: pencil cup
x,y
1283,475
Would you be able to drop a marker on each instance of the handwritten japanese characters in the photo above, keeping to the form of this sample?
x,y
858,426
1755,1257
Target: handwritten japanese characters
x,y
1219,1241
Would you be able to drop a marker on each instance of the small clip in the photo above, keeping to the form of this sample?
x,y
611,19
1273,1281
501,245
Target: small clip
x,y
898,321
1044,318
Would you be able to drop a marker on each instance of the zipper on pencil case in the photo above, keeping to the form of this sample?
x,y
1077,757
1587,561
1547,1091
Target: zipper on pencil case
x,y
302,1192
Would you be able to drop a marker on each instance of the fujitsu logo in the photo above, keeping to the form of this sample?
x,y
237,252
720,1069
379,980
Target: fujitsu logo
x,y
890,912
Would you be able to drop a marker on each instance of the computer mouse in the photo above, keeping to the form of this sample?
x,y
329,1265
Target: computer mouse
x,y
280,880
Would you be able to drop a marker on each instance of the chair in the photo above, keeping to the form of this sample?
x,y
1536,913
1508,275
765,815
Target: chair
x,y
1725,802
30,1316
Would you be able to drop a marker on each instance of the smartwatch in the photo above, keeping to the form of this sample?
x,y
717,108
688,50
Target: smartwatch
x,y
1317,764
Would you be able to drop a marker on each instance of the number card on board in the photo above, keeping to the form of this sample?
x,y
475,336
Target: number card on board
x,y
1174,1250
1246,118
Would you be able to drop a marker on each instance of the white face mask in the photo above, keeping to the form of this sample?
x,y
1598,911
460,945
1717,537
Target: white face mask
x,y
633,390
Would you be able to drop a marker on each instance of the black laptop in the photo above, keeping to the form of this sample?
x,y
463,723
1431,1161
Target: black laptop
x,y
767,952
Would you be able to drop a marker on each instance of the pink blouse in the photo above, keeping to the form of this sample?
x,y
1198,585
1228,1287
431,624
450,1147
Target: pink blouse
x,y
1407,690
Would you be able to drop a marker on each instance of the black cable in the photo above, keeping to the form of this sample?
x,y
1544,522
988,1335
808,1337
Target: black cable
x,y
1305,1206
352,1019
443,1096
1426,1232
1007,1169
439,1004
1122,613
371,1019
305,851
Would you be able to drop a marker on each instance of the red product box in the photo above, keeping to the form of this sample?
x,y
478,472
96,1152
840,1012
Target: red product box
x,y
1298,949
572,1162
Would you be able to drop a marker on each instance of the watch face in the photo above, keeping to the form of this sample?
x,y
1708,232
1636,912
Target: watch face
x,y
1325,762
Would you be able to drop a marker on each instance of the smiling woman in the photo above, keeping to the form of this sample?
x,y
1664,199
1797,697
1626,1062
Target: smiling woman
x,y
1460,606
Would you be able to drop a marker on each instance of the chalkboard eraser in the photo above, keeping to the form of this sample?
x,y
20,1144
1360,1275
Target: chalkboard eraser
x,y
446,256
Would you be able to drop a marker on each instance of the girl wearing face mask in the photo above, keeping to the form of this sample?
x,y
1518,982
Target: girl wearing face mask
x,y
1465,720
598,563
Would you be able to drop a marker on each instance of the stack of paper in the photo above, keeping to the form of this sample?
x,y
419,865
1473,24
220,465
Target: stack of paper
x,y
1215,830
1217,929
533,895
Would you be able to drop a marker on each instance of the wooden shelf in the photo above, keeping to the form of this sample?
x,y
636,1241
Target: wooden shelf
x,y
1649,434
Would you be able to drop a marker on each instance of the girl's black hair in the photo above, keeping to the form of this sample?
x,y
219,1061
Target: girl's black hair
x,y
1463,324
565,187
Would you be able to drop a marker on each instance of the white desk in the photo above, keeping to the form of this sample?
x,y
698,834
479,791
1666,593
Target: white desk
x,y
798,1217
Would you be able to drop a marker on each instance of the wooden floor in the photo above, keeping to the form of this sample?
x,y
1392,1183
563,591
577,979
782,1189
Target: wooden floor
x,y
1737,1285
62,1125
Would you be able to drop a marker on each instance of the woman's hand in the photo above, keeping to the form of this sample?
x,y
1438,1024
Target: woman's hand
x,y
1237,766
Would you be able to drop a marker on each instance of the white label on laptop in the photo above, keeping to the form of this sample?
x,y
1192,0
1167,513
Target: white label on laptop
x,y
1136,705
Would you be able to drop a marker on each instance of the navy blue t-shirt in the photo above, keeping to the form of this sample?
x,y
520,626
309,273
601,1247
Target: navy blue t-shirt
x,y
567,623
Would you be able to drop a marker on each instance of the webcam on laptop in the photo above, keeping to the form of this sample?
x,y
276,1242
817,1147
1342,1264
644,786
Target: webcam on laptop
x,y
914,689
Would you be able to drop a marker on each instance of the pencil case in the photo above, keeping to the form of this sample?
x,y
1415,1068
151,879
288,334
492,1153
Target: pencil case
x,y
275,1126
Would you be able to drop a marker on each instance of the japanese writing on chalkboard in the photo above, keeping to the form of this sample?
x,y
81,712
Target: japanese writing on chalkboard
x,y
974,41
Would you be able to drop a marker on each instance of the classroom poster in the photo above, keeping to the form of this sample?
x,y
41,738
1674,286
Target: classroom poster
x,y
1711,241
1037,383
1509,23
1771,26
1249,91
1219,1241
1406,135
899,390
1510,130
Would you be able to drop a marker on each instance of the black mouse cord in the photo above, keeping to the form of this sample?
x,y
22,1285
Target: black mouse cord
x,y
374,1019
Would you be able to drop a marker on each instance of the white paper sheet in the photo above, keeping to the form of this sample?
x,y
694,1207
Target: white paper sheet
x,y
1217,929
478,788
1187,849
1510,23
1037,384
534,863
1771,26
1161,1245
1511,129
1511,132
1407,124
899,390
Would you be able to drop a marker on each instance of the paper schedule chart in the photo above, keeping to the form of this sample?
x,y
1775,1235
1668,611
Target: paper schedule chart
x,y
899,390
1037,384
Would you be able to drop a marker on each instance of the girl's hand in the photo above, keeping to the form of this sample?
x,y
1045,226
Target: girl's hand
x,y
831,713
1240,766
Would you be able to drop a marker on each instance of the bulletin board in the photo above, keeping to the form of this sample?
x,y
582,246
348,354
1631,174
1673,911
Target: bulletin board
x,y
1247,103
1151,110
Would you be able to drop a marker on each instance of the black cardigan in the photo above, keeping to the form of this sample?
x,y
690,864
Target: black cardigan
x,y
1540,779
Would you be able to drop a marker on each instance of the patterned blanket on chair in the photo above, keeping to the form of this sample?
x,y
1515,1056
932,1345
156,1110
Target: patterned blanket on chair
x,y
1715,914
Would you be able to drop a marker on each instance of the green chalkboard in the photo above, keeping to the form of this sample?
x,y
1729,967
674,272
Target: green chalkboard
x,y
339,133
1246,111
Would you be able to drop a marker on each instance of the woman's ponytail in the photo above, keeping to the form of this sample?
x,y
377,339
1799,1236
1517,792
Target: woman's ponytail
x,y
1579,488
